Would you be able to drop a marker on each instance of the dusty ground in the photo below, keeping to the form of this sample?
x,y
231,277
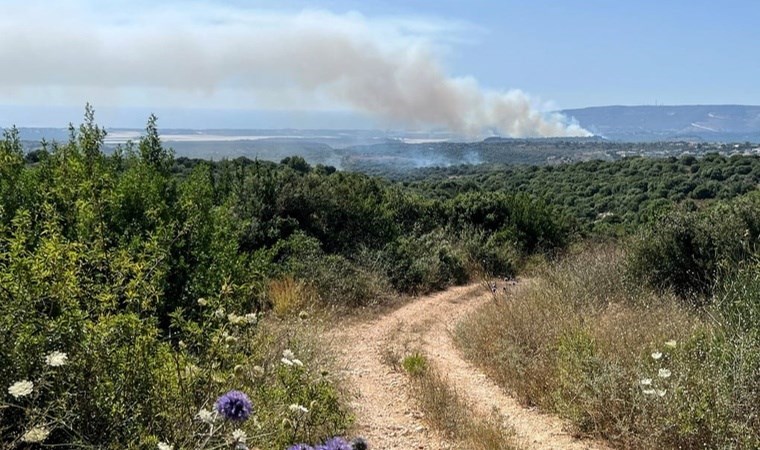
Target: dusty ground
x,y
387,416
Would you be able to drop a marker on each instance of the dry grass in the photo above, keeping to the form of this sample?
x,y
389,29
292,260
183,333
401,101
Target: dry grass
x,y
576,341
289,296
450,413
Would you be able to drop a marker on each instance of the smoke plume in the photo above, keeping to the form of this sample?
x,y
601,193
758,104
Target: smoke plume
x,y
389,69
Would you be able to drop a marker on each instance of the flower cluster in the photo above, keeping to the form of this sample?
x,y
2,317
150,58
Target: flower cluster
x,y
335,443
35,435
648,385
56,359
24,388
234,405
21,388
289,359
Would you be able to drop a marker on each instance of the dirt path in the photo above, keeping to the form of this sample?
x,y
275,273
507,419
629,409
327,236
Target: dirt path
x,y
388,418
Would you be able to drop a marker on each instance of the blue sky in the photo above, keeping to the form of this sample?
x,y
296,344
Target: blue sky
x,y
172,55
601,52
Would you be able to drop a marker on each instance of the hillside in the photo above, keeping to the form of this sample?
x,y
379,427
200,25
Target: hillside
x,y
729,123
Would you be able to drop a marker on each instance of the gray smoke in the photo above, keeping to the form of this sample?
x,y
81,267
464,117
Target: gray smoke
x,y
387,69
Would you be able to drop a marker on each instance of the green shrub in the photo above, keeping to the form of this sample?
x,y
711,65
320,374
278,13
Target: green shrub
x,y
425,263
687,251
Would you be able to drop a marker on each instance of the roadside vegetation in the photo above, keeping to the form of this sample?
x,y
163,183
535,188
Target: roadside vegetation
x,y
148,301
449,412
136,293
626,359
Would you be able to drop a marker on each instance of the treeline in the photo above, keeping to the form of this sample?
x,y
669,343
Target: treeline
x,y
608,197
151,274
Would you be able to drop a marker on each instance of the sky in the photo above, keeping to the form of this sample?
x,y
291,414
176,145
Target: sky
x,y
467,66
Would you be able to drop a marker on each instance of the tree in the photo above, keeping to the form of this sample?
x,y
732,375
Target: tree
x,y
151,150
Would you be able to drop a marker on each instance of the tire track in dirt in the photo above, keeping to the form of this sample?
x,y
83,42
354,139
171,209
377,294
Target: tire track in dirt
x,y
386,415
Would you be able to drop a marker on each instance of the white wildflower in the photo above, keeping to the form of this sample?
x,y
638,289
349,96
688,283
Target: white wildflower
x,y
251,318
286,361
165,446
206,416
646,381
219,313
239,435
202,301
56,359
298,362
670,344
296,408
664,373
649,391
35,435
21,388
656,355
234,319
287,354
661,392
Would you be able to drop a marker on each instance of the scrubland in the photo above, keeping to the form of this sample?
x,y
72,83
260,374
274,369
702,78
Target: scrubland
x,y
147,302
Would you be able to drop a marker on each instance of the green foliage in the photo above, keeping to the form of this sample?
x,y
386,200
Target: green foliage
x,y
155,276
604,197
425,263
687,251
415,364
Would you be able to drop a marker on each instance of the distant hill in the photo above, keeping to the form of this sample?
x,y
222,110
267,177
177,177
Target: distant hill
x,y
725,123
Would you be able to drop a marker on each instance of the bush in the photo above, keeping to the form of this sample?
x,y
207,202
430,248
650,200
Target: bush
x,y
425,263
687,251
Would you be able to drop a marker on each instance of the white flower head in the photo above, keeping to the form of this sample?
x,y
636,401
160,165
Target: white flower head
x,y
661,392
286,361
671,343
288,354
202,302
656,355
21,388
206,416
36,435
296,408
234,319
646,381
56,359
297,362
649,391
239,436
664,373
219,313
251,318
165,446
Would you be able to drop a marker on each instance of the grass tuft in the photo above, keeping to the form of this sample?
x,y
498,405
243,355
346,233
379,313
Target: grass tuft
x,y
452,414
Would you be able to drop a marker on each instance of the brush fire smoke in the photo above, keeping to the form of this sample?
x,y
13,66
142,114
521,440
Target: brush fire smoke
x,y
310,59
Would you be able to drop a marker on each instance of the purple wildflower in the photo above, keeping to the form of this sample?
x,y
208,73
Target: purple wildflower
x,y
301,447
336,443
234,405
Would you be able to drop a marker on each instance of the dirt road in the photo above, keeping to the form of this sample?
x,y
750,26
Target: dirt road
x,y
387,416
